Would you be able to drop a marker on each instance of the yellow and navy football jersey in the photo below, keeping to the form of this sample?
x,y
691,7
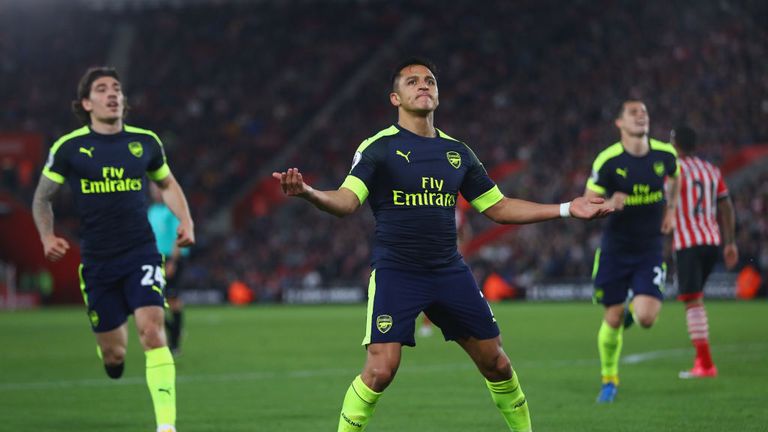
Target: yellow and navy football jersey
x,y
412,183
107,175
638,226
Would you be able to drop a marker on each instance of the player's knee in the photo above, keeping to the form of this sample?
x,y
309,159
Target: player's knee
x,y
614,316
497,367
381,377
614,322
384,375
645,318
646,321
152,337
503,367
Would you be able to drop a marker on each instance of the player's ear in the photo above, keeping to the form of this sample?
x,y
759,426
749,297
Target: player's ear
x,y
394,98
87,104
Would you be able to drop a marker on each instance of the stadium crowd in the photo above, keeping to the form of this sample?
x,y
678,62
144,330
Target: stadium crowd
x,y
230,87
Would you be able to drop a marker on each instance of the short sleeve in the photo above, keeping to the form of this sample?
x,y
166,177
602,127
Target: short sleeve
x,y
599,179
722,188
673,167
363,171
477,187
157,168
57,167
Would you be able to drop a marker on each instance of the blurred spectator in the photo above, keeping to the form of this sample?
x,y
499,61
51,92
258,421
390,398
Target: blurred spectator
x,y
229,85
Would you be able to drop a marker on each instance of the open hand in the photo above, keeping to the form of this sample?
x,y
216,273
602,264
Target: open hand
x,y
590,208
292,182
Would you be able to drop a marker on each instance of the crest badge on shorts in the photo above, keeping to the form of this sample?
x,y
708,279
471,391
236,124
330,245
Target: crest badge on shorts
x,y
383,323
94,317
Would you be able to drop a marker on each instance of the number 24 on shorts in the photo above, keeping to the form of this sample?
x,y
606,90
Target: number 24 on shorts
x,y
152,275
659,279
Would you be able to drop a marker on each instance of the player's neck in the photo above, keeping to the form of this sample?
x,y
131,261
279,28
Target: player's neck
x,y
635,145
419,125
106,128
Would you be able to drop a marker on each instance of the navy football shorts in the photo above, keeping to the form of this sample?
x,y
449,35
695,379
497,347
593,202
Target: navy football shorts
x,y
616,273
113,288
449,297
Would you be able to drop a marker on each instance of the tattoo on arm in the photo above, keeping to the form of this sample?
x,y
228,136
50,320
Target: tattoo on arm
x,y
42,211
673,192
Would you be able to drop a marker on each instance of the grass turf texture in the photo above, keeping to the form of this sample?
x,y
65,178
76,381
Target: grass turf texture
x,y
286,368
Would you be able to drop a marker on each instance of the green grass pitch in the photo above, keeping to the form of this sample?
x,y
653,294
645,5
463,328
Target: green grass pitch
x,y
286,368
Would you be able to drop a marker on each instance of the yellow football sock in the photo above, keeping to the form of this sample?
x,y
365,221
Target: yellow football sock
x,y
359,404
511,402
161,380
609,342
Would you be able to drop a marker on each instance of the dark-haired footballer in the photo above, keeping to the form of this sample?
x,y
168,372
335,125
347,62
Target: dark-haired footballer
x,y
106,164
629,266
412,173
705,220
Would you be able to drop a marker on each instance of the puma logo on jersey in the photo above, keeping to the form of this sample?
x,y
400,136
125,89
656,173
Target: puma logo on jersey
x,y
404,155
622,172
88,151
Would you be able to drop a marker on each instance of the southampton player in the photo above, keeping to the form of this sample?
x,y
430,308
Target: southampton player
x,y
632,173
106,164
703,201
413,172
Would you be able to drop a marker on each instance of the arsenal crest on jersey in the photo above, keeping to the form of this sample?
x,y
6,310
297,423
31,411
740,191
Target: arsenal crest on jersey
x,y
136,148
454,158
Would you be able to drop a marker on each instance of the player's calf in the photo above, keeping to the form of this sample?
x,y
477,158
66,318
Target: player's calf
x,y
114,360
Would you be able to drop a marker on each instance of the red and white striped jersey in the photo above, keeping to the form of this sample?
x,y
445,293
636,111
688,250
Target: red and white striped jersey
x,y
701,185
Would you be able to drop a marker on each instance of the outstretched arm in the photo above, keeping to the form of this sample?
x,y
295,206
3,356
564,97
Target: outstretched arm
x,y
54,247
173,197
517,211
727,218
341,202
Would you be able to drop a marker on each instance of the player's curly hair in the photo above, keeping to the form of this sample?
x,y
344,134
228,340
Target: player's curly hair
x,y
410,61
685,138
84,90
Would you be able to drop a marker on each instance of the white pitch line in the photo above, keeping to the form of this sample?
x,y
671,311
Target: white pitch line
x,y
653,355
678,352
305,373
